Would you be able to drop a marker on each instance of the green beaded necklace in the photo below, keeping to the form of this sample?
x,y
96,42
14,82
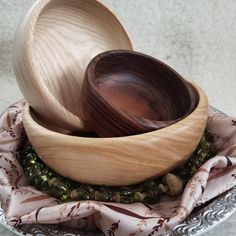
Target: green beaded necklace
x,y
150,191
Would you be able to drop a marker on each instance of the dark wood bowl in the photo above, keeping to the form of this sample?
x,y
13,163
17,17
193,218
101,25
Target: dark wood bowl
x,y
126,93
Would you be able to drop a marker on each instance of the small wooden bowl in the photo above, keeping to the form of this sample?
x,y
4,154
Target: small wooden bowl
x,y
118,161
53,45
127,93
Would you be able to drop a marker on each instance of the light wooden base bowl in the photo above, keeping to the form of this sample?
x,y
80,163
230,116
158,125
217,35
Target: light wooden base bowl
x,y
53,44
122,160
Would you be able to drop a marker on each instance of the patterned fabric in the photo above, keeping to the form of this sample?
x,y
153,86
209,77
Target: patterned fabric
x,y
25,205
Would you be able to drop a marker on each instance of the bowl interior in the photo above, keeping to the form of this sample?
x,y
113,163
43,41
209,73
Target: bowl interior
x,y
142,87
67,35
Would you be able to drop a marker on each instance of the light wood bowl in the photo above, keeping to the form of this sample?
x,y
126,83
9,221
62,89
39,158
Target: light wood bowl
x,y
118,161
53,44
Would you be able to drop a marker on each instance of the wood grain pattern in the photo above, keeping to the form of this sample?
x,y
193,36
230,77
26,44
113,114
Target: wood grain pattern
x,y
123,160
127,93
53,45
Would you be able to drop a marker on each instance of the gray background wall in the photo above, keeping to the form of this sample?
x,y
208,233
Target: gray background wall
x,y
196,37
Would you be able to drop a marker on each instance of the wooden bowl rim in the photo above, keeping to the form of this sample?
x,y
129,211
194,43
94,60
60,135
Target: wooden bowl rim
x,y
90,141
27,26
91,66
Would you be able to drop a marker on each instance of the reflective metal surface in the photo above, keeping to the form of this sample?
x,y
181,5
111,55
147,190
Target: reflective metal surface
x,y
200,221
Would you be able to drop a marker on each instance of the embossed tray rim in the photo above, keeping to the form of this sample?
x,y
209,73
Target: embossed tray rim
x,y
199,222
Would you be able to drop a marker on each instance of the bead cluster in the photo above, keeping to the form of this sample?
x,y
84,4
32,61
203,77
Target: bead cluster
x,y
150,191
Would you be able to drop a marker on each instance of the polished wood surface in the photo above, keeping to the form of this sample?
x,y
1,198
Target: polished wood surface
x,y
127,93
118,161
53,45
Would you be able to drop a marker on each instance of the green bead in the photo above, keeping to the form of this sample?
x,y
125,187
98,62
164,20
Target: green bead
x,y
64,197
149,184
125,200
44,178
126,192
87,188
61,188
29,159
29,172
26,151
182,173
153,196
83,194
103,194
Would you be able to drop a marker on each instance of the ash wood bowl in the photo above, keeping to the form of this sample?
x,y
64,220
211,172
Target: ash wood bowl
x,y
53,44
127,93
121,160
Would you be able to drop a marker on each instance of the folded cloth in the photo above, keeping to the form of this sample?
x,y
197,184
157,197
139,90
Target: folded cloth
x,y
25,205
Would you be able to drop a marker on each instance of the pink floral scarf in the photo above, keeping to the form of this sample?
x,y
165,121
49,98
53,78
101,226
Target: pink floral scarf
x,y
25,205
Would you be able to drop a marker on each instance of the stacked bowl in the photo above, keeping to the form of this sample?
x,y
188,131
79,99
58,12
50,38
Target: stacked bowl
x,y
77,70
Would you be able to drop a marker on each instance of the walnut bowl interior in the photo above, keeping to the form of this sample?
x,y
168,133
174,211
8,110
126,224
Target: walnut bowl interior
x,y
127,93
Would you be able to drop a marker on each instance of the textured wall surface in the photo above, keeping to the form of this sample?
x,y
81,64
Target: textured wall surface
x,y
197,38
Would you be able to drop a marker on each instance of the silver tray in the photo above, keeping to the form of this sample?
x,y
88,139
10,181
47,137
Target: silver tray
x,y
200,221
